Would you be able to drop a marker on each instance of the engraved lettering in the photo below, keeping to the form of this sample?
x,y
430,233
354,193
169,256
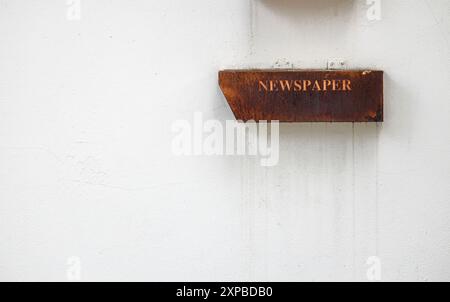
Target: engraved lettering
x,y
297,85
273,85
262,86
347,85
336,85
304,85
286,85
316,86
326,84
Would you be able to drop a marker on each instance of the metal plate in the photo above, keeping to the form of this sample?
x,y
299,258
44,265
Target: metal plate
x,y
304,95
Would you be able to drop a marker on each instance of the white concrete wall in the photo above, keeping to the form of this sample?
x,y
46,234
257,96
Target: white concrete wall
x,y
86,168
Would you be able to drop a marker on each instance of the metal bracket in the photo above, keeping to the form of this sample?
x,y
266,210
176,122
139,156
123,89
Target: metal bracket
x,y
336,64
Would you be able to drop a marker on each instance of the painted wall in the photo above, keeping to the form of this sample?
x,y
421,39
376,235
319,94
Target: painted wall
x,y
90,188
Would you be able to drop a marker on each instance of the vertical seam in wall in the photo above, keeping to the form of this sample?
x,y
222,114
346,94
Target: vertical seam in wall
x,y
252,26
436,20
249,170
377,248
354,201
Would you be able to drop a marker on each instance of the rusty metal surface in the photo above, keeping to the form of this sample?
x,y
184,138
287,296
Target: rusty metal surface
x,y
304,95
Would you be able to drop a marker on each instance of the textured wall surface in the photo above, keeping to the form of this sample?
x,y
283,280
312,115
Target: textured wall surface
x,y
87,171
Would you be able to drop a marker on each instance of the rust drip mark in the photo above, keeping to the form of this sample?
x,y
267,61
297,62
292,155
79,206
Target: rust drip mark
x,y
304,95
